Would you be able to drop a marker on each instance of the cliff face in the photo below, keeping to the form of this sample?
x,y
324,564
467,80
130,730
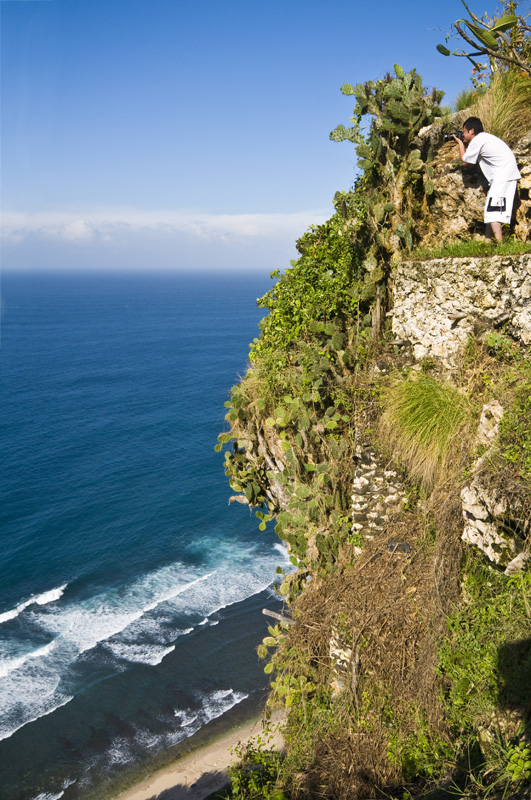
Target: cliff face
x,y
408,647
437,305
385,425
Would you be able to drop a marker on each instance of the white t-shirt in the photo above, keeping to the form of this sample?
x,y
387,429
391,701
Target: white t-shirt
x,y
495,158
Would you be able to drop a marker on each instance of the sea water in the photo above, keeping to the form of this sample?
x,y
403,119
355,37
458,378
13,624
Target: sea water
x,y
130,592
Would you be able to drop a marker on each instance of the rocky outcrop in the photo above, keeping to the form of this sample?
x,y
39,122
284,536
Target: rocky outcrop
x,y
344,664
437,302
492,521
522,152
459,191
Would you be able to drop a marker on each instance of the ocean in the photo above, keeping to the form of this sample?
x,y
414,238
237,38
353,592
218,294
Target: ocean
x,y
130,591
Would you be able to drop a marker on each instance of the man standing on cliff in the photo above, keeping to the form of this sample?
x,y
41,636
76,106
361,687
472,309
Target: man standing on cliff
x,y
499,167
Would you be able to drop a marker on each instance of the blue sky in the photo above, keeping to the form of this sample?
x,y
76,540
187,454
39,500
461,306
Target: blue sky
x,y
190,134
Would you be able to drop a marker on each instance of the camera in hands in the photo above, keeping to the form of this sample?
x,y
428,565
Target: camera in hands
x,y
448,136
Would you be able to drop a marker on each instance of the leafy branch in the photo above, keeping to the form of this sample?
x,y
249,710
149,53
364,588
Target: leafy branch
x,y
504,39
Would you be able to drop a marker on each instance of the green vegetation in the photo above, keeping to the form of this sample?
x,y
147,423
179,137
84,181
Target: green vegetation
x,y
321,286
483,673
397,176
504,40
485,662
505,106
427,424
431,694
474,247
444,686
256,773
515,431
325,316
467,98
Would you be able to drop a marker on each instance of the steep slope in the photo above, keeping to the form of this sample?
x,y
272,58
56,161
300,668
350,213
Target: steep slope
x,y
385,425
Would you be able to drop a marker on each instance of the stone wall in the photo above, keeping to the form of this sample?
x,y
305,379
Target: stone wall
x,y
437,302
377,492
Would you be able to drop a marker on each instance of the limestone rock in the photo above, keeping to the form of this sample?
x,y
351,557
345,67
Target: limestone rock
x,y
437,301
518,564
459,191
344,663
522,152
487,514
489,422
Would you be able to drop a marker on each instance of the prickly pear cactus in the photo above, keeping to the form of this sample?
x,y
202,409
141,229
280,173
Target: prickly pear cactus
x,y
395,178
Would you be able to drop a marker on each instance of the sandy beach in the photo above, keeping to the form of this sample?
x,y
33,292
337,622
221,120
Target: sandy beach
x,y
202,772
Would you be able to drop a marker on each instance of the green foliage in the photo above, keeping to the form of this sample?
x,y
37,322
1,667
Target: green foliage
x,y
321,286
515,430
425,423
275,639
485,662
316,721
295,420
483,672
291,685
499,344
519,763
395,177
292,416
504,40
304,381
474,247
256,775
422,753
505,106
467,97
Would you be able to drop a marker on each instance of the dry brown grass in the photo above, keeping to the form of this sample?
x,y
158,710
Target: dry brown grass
x,y
505,108
392,608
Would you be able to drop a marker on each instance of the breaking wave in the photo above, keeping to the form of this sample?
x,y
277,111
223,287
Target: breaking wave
x,y
138,623
39,600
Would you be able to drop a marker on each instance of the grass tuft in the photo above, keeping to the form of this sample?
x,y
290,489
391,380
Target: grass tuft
x,y
427,424
505,108
467,97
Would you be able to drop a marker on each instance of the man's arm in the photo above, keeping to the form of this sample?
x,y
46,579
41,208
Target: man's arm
x,y
461,146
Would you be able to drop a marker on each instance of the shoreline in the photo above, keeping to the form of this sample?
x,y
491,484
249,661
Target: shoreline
x,y
198,774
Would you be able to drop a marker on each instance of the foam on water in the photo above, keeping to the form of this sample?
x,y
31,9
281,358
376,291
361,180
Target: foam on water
x,y
98,618
123,751
213,705
9,665
282,549
138,623
30,712
185,718
140,654
49,796
41,599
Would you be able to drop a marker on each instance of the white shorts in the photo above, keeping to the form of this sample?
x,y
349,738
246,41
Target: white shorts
x,y
500,199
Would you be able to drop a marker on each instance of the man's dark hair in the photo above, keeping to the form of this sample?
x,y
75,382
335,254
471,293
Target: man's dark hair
x,y
473,124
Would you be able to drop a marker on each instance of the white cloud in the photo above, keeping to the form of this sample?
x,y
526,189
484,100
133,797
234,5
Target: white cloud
x,y
130,239
113,225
